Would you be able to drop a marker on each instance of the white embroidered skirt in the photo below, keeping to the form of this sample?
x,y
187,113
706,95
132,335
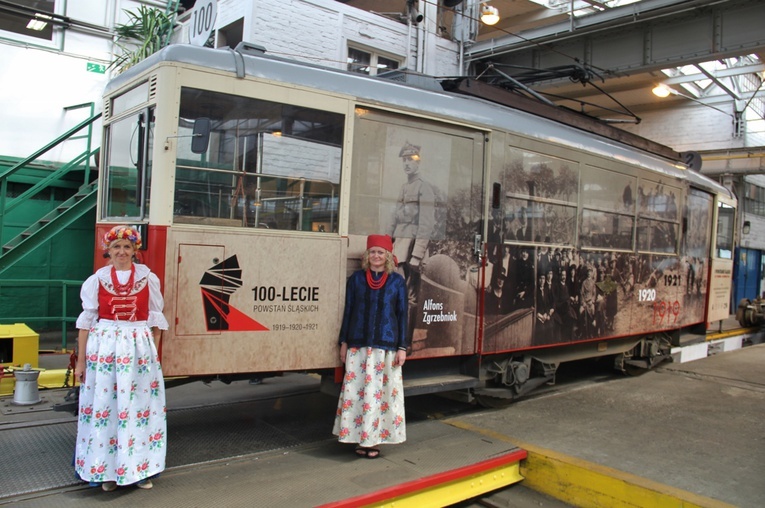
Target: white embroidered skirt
x,y
122,428
371,406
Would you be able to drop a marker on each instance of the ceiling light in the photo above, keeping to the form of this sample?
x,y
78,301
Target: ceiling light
x,y
489,14
661,91
38,24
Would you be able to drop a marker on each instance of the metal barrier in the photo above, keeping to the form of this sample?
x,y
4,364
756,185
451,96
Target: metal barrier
x,y
63,318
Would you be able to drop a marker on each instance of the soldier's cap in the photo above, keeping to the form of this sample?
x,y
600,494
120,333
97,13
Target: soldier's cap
x,y
410,150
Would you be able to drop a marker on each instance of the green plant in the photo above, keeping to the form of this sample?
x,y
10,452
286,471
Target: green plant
x,y
146,32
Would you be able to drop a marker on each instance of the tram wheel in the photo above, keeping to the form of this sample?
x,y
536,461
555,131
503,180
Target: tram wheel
x,y
490,402
633,370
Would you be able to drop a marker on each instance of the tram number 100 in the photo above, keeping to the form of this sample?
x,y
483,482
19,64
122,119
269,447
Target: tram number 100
x,y
202,21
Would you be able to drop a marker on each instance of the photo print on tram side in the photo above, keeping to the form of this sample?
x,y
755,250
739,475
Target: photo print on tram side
x,y
575,252
584,253
420,182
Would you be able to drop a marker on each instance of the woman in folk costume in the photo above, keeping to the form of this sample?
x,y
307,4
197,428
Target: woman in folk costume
x,y
373,345
121,429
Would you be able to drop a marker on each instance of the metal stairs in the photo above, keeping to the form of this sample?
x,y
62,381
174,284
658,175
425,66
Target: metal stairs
x,y
64,214
49,225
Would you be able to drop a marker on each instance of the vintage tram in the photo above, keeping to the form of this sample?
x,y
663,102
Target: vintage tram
x,y
526,241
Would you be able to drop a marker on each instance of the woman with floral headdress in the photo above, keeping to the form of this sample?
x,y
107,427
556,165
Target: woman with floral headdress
x,y
121,429
373,345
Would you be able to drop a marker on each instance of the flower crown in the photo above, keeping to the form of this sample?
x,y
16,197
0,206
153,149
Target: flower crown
x,y
122,233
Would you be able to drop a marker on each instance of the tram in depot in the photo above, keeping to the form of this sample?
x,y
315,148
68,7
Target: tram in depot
x,y
525,241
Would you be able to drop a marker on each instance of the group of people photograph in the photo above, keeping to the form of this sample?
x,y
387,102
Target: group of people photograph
x,y
578,294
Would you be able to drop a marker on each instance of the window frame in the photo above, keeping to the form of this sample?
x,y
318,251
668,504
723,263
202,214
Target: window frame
x,y
262,189
57,33
374,56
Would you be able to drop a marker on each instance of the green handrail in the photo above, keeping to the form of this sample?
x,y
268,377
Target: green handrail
x,y
67,135
52,177
64,318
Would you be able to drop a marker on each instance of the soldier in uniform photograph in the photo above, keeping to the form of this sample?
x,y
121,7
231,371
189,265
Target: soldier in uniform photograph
x,y
413,222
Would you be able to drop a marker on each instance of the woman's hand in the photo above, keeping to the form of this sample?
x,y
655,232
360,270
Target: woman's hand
x,y
82,350
400,358
343,352
79,370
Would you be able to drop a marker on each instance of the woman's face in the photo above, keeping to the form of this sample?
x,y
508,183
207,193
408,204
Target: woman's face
x,y
121,253
377,259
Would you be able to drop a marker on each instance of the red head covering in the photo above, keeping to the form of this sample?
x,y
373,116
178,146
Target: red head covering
x,y
382,241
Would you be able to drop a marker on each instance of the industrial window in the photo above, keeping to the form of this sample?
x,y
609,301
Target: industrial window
x,y
30,19
369,62
754,202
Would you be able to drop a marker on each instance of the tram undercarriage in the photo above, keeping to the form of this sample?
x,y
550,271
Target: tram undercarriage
x,y
511,377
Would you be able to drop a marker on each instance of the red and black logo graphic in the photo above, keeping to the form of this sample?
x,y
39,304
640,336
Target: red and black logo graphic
x,y
218,284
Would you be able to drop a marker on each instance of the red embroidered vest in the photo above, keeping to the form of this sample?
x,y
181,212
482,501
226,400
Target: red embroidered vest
x,y
131,307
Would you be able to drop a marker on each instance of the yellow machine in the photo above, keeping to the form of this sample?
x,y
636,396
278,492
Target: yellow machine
x,y
20,345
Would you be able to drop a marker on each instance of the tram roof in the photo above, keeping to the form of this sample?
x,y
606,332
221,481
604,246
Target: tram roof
x,y
254,62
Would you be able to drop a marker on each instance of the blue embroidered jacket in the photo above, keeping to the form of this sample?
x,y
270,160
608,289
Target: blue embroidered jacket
x,y
375,318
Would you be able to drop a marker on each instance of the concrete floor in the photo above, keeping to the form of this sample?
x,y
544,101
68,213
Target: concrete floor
x,y
695,426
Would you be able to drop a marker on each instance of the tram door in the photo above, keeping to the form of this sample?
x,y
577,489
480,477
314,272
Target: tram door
x,y
421,182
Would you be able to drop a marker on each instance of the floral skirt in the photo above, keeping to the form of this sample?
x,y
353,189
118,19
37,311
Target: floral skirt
x,y
371,406
122,428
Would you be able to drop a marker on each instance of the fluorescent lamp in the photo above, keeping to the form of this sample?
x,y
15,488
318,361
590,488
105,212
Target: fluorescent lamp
x,y
38,23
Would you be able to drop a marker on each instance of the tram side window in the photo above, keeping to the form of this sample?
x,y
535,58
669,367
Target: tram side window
x,y
540,198
607,218
418,181
658,217
129,144
268,165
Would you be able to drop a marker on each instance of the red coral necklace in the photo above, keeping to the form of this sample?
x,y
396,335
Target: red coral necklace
x,y
123,289
376,284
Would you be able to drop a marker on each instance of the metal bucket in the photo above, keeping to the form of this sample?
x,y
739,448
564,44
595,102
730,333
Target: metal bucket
x,y
25,391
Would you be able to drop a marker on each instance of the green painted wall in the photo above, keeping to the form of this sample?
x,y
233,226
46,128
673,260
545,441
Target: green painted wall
x,y
68,255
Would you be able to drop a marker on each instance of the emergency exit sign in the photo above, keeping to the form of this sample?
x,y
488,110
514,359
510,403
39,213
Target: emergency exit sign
x,y
97,68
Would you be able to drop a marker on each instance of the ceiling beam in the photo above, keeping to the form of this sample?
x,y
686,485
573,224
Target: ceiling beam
x,y
717,82
643,11
723,73
670,34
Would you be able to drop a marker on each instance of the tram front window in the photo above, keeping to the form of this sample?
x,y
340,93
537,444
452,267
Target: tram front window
x,y
268,165
724,241
128,166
